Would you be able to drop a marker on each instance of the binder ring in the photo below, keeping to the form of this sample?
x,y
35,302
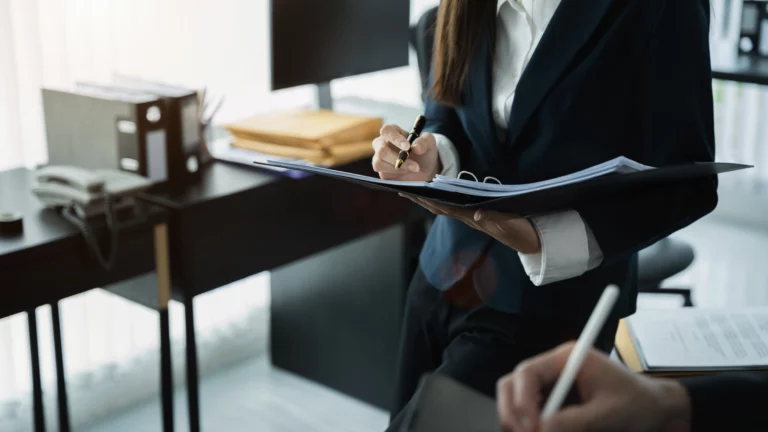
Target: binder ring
x,y
485,180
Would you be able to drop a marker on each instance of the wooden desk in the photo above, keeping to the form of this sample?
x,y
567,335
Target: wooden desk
x,y
50,261
314,233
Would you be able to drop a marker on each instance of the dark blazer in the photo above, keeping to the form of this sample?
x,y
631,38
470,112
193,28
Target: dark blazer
x,y
734,402
609,78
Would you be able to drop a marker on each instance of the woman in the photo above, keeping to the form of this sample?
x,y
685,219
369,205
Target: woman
x,y
526,90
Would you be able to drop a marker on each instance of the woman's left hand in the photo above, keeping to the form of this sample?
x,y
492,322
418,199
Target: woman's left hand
x,y
514,231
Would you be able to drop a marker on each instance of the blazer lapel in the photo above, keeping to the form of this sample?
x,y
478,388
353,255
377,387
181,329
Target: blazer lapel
x,y
477,100
571,26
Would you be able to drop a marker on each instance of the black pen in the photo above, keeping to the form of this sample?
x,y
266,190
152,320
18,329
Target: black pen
x,y
418,126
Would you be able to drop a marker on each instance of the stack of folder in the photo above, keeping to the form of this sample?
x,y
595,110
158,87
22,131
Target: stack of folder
x,y
688,341
320,137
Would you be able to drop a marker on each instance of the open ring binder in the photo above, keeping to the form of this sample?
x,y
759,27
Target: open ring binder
x,y
616,176
485,180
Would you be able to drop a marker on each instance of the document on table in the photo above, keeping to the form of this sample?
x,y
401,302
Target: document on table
x,y
701,339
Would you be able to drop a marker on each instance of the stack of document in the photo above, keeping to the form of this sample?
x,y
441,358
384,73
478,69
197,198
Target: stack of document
x,y
619,175
618,165
689,340
487,188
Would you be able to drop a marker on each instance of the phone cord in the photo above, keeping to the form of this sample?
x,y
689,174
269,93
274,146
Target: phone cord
x,y
90,239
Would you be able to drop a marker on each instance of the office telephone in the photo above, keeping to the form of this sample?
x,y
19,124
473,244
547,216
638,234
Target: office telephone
x,y
86,190
81,194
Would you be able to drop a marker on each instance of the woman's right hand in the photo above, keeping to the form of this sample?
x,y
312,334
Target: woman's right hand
x,y
423,163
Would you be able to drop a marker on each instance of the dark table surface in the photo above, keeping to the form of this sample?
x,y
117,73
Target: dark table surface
x,y
240,220
744,69
224,179
50,260
42,229
218,180
339,253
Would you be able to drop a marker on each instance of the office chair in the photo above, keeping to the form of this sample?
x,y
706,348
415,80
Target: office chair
x,y
656,263
659,262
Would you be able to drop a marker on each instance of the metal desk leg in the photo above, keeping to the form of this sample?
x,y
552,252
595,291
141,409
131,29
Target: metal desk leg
x,y
37,387
61,385
192,383
162,269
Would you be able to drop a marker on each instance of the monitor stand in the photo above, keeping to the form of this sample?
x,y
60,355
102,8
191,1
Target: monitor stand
x,y
324,97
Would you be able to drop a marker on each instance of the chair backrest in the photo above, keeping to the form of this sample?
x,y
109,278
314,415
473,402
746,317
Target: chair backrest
x,y
662,260
423,39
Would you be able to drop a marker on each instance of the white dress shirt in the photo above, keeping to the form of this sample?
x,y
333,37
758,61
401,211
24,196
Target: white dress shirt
x,y
568,247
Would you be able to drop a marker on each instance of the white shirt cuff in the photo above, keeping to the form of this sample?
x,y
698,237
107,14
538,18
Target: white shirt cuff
x,y
449,156
568,248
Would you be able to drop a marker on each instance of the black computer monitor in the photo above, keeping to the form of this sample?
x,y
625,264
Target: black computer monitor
x,y
316,41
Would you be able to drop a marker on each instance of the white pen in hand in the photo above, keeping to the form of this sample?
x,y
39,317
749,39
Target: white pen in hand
x,y
580,351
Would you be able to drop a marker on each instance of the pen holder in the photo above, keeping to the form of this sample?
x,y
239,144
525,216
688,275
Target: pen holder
x,y
205,121
206,136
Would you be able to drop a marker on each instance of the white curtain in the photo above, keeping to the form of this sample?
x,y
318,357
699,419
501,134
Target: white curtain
x,y
111,345
220,44
111,350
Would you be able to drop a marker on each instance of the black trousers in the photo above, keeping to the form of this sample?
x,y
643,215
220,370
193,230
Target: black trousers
x,y
475,346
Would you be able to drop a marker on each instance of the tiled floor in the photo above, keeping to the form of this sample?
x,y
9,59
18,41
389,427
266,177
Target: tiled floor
x,y
255,397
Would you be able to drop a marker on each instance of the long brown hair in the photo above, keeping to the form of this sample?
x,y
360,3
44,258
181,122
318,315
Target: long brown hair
x,y
459,27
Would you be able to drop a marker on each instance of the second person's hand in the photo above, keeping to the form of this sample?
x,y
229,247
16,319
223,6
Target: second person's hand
x,y
612,397
423,163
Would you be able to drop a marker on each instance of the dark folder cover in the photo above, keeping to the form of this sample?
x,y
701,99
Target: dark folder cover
x,y
442,404
558,197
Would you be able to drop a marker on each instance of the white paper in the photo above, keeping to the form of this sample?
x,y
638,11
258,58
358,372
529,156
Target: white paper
x,y
761,161
348,175
701,338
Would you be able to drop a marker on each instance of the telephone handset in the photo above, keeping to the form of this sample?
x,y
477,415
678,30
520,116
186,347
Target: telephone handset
x,y
75,177
64,186
81,194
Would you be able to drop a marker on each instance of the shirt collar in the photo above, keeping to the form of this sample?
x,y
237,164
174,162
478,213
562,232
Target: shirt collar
x,y
544,9
523,5
501,3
